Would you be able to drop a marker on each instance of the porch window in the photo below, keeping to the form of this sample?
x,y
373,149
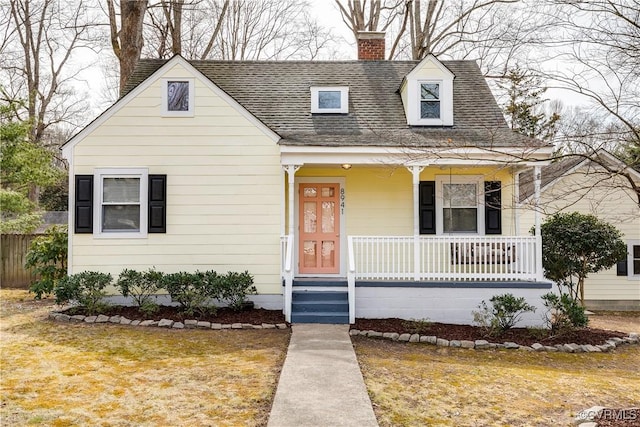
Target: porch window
x,y
458,204
460,208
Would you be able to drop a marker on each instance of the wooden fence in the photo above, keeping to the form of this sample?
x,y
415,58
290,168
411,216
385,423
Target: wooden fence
x,y
13,248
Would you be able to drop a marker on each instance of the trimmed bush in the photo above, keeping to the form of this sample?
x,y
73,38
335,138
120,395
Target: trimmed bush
x,y
86,289
141,286
193,291
505,312
47,257
563,312
234,289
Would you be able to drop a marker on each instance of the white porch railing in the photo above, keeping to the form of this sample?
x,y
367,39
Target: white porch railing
x,y
286,243
464,258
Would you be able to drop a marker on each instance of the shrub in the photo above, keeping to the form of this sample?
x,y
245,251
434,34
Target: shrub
x,y
193,291
563,312
86,288
575,245
47,257
505,311
234,289
141,286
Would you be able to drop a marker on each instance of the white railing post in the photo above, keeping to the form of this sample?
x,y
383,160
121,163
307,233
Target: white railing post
x,y
415,174
288,278
536,182
351,281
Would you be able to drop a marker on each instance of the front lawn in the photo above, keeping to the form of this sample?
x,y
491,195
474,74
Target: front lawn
x,y
423,385
66,374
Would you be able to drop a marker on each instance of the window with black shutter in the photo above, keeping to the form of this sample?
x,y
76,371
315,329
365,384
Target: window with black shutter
x,y
83,210
157,204
492,207
427,207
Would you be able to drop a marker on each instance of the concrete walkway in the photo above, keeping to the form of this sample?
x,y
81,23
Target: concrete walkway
x,y
321,383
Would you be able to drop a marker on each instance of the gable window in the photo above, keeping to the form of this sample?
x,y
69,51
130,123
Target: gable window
x,y
122,202
177,97
429,100
331,100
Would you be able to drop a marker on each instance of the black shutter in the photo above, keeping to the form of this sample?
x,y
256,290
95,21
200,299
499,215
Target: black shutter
x,y
84,204
622,269
157,204
492,207
427,207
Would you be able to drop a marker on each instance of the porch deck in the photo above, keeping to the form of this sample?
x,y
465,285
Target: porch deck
x,y
478,263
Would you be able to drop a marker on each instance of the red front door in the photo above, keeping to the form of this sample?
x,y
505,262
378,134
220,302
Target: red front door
x,y
319,229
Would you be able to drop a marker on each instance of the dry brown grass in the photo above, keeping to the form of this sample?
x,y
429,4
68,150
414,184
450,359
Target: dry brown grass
x,y
56,374
421,385
624,321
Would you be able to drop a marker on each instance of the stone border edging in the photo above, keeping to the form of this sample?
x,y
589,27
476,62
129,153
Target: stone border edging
x,y
610,344
164,323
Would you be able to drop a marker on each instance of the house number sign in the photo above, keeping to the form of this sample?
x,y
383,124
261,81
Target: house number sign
x,y
342,198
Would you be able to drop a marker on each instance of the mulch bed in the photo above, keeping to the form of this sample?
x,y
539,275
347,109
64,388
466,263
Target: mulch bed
x,y
254,316
521,336
257,316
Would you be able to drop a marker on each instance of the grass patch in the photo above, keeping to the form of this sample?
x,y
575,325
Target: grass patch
x,y
416,385
56,374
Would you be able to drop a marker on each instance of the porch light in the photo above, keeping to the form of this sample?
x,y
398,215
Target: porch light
x,y
346,166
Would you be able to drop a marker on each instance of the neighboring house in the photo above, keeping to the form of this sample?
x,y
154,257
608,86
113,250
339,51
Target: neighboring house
x,y
577,183
364,188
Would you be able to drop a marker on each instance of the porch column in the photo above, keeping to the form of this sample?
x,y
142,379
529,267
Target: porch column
x,y
415,172
536,186
291,175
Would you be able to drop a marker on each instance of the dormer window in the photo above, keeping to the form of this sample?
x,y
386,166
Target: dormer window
x,y
429,100
177,97
427,94
331,100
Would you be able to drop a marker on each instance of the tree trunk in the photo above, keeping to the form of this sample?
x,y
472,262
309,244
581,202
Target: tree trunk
x,y
131,41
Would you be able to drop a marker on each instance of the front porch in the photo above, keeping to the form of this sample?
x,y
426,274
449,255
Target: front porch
x,y
442,278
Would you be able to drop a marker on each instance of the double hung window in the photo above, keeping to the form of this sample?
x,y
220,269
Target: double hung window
x,y
122,198
429,100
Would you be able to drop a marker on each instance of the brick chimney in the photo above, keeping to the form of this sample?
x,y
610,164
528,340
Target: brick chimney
x,y
370,46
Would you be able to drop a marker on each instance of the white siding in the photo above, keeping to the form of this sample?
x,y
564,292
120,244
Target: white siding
x,y
223,188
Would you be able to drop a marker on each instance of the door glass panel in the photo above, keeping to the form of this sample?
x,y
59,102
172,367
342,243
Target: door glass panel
x,y
310,217
328,253
309,253
328,218
328,192
310,192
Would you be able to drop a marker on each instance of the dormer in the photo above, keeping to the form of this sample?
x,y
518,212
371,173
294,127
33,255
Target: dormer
x,y
427,94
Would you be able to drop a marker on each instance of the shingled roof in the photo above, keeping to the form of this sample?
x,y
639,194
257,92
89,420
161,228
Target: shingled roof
x,y
278,94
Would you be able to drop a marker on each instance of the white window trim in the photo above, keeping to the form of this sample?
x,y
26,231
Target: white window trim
x,y
630,245
344,100
98,177
459,179
446,102
165,110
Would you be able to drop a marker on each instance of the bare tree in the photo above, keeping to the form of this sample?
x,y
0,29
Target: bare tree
x,y
126,41
39,41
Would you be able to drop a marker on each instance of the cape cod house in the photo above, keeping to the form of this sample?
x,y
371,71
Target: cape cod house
x,y
581,183
365,188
